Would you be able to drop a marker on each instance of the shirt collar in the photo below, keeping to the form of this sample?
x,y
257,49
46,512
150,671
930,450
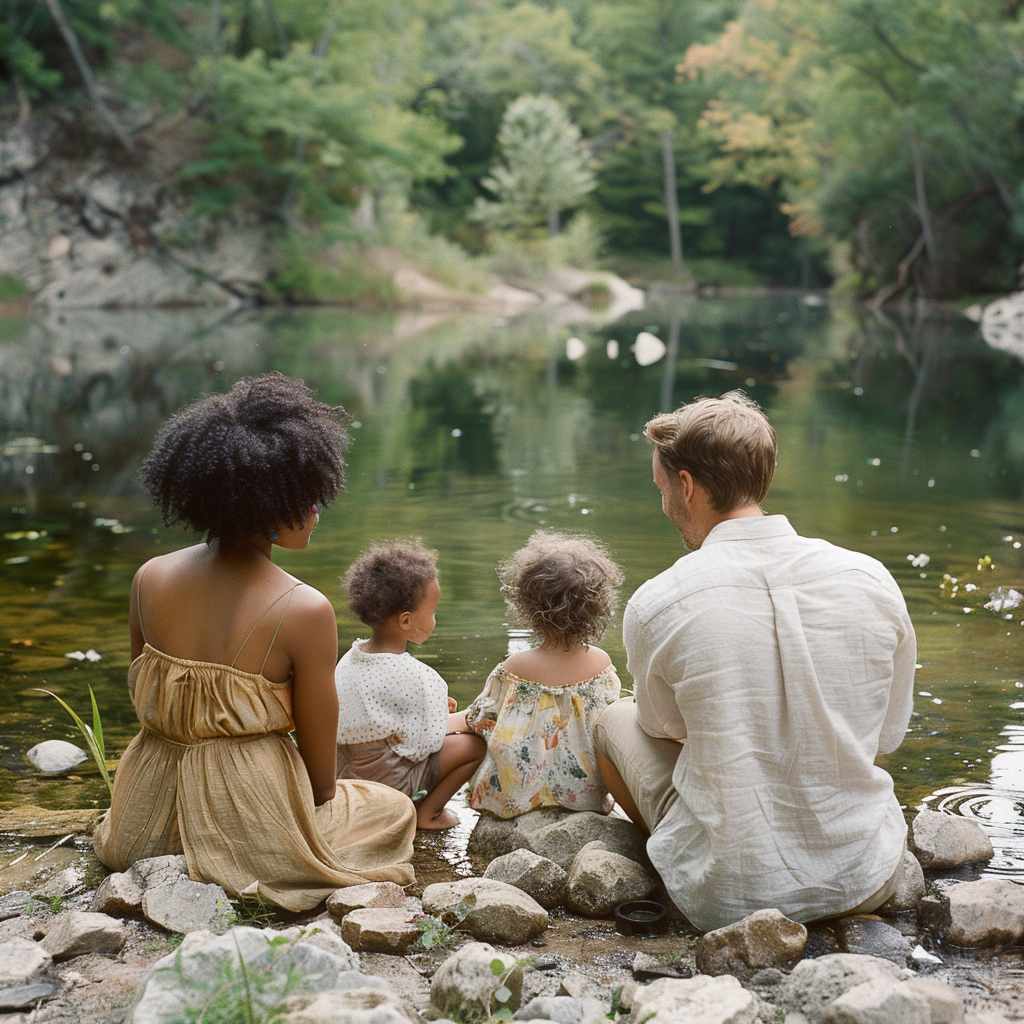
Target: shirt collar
x,y
750,528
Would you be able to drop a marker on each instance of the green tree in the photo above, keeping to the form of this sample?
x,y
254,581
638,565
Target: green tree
x,y
545,168
893,128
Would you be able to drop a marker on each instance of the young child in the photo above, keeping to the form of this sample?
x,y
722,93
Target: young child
x,y
395,719
538,708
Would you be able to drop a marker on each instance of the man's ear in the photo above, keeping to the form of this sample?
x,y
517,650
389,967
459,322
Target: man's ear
x,y
687,484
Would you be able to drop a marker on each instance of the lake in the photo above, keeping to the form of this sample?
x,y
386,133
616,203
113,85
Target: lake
x,y
899,436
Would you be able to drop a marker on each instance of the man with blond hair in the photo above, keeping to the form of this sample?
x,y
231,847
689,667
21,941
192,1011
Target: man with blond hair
x,y
770,670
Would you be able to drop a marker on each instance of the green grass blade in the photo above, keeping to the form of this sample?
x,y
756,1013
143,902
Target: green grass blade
x,y
95,748
97,725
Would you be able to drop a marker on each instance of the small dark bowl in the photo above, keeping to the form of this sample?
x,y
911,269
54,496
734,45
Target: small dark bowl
x,y
641,917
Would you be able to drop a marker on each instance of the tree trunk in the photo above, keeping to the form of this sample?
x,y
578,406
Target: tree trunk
x,y
554,223
924,215
672,202
57,13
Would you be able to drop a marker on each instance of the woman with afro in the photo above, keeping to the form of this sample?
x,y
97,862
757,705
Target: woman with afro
x,y
231,655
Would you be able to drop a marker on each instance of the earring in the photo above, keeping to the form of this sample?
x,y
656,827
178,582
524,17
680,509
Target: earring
x,y
273,534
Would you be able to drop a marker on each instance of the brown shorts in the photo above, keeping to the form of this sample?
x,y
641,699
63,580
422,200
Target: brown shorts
x,y
377,762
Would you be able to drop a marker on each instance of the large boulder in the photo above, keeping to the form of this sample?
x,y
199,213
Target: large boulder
x,y
494,837
989,912
872,937
381,929
371,894
181,905
599,879
910,889
501,913
816,984
876,1001
246,964
466,985
766,938
701,999
941,841
537,876
562,840
78,932
118,895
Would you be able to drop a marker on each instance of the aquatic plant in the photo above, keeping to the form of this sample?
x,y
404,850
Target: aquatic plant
x,y
93,736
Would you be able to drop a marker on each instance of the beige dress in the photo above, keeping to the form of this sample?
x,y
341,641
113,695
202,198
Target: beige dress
x,y
214,775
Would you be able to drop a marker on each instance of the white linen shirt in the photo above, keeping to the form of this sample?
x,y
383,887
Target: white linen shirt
x,y
786,664
391,697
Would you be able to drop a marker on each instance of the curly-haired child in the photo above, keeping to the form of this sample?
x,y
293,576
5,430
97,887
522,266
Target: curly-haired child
x,y
539,707
395,718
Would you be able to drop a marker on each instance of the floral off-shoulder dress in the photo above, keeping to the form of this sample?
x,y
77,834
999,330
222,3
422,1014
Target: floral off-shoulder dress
x,y
540,745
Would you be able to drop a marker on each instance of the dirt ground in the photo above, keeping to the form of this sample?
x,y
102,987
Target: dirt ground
x,y
579,955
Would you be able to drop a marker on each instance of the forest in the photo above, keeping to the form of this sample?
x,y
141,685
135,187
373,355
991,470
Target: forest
x,y
868,146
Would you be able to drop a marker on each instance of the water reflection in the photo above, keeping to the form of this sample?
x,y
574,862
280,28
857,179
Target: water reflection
x,y
900,436
998,808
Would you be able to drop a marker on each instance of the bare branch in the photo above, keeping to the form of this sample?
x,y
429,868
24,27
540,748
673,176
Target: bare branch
x,y
102,110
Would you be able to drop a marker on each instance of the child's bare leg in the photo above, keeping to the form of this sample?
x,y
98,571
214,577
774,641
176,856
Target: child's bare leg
x,y
461,754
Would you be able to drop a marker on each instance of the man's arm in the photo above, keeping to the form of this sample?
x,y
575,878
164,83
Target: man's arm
x,y
901,693
657,712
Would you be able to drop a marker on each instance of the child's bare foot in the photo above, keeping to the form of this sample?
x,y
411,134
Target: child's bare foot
x,y
441,819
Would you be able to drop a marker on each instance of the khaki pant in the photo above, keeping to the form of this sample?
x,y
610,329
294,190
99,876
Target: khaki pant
x,y
646,764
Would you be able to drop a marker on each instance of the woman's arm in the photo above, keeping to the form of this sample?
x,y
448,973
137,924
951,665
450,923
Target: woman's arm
x,y
312,643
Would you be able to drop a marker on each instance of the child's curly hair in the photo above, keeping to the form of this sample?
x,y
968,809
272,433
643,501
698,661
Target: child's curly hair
x,y
389,578
250,461
563,586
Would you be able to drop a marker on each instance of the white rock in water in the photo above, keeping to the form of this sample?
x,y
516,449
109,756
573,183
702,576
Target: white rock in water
x,y
648,349
52,757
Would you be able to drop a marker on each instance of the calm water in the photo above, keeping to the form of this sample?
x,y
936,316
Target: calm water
x,y
897,438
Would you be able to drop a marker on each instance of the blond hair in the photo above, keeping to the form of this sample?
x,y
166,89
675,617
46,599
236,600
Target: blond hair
x,y
563,586
726,444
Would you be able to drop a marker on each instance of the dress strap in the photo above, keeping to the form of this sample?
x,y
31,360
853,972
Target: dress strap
x,y
138,602
288,593
287,604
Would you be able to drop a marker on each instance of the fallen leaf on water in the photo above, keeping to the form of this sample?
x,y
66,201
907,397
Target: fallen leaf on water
x,y
23,643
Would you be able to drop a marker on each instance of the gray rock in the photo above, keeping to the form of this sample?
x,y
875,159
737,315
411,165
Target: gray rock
x,y
14,904
78,932
701,999
564,1010
356,897
154,870
878,1002
23,962
181,905
21,997
911,888
118,895
291,962
54,757
947,841
494,837
945,1003
541,878
562,840
599,879
766,938
381,929
872,937
355,1006
502,913
986,913
815,984
25,147
465,984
